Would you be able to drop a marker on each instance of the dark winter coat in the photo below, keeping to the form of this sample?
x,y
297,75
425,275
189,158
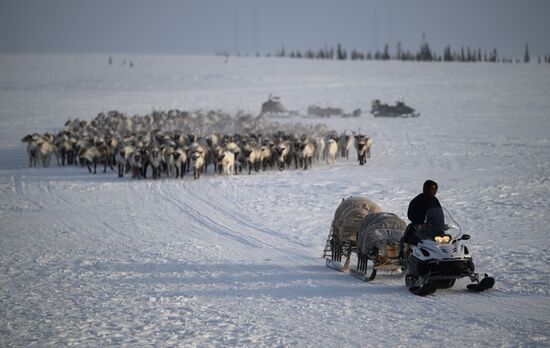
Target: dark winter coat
x,y
421,203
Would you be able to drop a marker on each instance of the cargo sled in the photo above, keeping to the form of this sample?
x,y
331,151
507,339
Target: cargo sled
x,y
378,245
342,238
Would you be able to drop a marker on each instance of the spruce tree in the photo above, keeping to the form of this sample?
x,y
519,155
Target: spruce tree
x,y
447,56
386,54
526,57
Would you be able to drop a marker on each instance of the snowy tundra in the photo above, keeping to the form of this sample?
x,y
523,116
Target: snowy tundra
x,y
98,260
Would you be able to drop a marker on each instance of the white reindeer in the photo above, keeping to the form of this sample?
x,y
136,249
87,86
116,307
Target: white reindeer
x,y
332,151
198,163
227,162
319,148
233,147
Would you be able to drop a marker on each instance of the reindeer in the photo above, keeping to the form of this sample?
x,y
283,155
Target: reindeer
x,y
113,143
253,155
122,157
331,151
197,147
32,148
232,146
283,150
266,156
362,145
135,161
64,148
344,144
216,151
227,162
80,148
95,154
319,148
169,159
181,161
46,148
154,158
198,163
307,150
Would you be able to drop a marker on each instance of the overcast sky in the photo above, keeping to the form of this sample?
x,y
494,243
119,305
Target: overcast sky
x,y
247,26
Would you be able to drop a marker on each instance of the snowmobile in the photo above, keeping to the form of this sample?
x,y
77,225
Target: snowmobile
x,y
441,257
398,110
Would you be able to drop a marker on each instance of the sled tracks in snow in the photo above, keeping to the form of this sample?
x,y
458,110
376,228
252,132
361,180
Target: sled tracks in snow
x,y
210,214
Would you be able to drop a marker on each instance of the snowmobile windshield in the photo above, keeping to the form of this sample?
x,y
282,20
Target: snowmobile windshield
x,y
450,225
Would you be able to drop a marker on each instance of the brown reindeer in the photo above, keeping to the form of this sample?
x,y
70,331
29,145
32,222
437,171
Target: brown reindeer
x,y
97,154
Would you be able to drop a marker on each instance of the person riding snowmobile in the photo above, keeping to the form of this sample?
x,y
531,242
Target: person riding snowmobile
x,y
433,263
416,213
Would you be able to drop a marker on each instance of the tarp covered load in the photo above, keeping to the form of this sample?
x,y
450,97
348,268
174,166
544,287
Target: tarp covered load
x,y
348,217
378,230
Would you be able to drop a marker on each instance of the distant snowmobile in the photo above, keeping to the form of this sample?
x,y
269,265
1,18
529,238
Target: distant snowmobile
x,y
273,105
398,110
440,258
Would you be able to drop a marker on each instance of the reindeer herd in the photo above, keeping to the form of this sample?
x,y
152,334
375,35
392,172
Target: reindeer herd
x,y
174,143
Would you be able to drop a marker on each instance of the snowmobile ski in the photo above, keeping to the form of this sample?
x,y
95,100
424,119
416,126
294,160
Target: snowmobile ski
x,y
484,284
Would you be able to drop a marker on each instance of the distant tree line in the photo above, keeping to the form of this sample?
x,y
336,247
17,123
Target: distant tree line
x,y
423,54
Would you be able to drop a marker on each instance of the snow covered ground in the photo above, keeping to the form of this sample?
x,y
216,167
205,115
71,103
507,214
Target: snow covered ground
x,y
236,261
